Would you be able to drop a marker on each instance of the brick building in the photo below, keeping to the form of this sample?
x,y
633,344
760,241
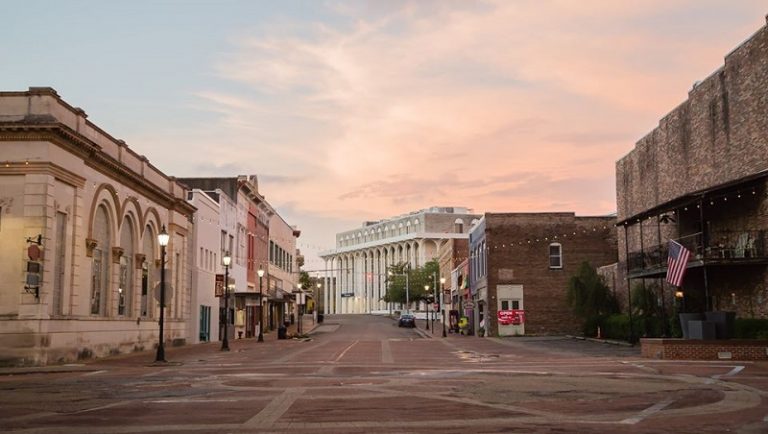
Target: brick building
x,y
700,178
523,261
450,256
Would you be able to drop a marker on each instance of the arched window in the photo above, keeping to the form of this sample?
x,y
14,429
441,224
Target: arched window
x,y
408,227
102,233
555,255
458,226
125,280
148,248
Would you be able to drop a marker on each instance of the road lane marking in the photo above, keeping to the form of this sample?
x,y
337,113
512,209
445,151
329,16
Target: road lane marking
x,y
345,351
648,412
87,374
325,370
275,409
386,352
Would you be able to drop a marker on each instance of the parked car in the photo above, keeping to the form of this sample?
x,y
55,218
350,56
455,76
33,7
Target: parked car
x,y
406,320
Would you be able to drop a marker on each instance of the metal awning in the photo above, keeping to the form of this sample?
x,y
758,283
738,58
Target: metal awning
x,y
690,198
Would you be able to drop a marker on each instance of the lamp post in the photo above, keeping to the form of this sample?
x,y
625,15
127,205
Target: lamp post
x,y
226,260
316,303
162,239
442,306
261,306
298,306
426,318
434,298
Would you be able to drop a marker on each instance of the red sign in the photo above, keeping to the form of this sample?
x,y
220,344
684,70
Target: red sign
x,y
219,288
511,317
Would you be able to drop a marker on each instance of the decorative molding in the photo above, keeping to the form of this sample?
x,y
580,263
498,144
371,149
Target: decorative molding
x,y
90,244
46,168
139,259
117,253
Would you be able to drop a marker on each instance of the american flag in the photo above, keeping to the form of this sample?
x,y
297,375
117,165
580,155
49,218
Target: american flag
x,y
676,263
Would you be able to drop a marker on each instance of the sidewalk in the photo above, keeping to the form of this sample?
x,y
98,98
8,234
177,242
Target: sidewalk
x,y
146,357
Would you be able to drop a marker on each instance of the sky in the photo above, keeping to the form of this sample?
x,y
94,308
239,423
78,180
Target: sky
x,y
362,110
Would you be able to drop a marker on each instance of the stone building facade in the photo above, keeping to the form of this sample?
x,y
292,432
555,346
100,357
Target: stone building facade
x,y
523,261
358,265
700,178
79,217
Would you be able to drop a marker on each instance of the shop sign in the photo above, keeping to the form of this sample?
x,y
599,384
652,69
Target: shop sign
x,y
511,317
219,288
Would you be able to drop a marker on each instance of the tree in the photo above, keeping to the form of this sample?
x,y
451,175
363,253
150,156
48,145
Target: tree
x,y
590,298
304,280
418,277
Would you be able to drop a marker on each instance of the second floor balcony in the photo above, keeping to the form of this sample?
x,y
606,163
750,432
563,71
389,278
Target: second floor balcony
x,y
722,247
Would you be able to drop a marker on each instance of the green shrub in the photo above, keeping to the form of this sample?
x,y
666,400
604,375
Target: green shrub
x,y
751,328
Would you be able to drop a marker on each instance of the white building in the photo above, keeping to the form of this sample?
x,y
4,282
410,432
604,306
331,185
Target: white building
x,y
357,267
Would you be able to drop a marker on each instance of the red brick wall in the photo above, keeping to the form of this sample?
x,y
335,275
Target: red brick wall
x,y
679,349
513,260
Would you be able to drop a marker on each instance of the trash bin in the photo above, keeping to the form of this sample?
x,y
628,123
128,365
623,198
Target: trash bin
x,y
724,323
282,332
320,317
685,318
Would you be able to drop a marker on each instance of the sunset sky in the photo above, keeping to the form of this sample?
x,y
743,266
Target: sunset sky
x,y
351,111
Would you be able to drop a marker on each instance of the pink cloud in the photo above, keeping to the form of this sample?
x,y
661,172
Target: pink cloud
x,y
413,105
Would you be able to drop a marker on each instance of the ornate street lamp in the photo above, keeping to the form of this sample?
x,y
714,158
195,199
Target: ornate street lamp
x,y
316,303
298,304
226,260
162,239
442,303
261,306
426,317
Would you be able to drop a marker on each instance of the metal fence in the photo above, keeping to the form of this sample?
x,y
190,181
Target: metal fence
x,y
724,245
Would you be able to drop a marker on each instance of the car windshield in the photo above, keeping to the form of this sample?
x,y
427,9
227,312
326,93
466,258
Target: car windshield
x,y
406,316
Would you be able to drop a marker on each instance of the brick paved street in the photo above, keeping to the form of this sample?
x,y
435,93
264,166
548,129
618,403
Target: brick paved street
x,y
364,374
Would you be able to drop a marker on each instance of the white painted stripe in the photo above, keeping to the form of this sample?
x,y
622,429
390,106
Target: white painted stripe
x,y
345,351
650,411
185,401
731,373
93,373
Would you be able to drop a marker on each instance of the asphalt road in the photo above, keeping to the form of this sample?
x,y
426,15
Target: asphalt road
x,y
362,374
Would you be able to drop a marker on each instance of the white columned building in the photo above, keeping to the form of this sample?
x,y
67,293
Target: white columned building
x,y
356,268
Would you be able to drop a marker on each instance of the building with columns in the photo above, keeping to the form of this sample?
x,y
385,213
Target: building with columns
x,y
356,269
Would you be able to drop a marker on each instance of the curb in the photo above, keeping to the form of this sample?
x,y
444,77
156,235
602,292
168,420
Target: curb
x,y
601,341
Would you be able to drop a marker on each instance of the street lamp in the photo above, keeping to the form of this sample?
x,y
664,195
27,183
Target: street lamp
x,y
315,314
261,306
226,260
298,307
162,239
442,305
426,318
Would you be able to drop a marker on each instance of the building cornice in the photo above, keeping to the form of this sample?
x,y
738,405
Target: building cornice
x,y
46,168
417,236
93,156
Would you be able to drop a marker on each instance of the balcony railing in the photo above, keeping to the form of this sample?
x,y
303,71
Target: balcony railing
x,y
722,245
